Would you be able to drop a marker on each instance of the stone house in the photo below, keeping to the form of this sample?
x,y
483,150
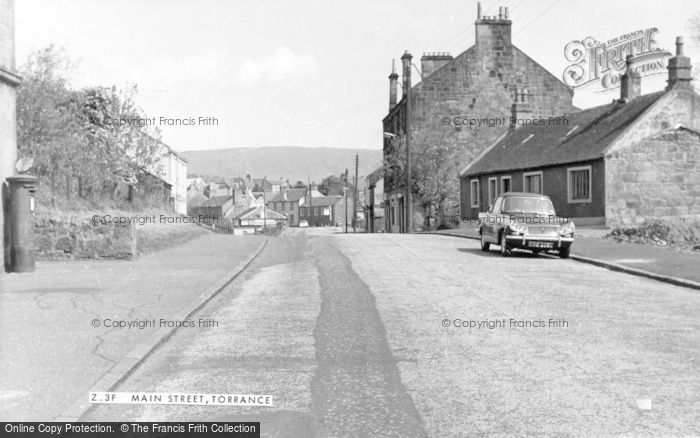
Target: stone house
x,y
260,217
615,164
320,211
214,210
9,82
288,203
171,168
477,84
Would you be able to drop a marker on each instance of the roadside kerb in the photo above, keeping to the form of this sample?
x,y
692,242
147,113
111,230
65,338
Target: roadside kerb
x,y
608,265
132,360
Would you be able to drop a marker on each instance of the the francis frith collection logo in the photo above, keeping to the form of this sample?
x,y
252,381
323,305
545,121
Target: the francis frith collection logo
x,y
602,63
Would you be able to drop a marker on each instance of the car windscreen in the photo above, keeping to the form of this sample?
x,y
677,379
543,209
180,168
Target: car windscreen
x,y
528,205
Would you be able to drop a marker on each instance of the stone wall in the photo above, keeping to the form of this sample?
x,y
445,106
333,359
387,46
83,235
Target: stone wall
x,y
67,238
658,177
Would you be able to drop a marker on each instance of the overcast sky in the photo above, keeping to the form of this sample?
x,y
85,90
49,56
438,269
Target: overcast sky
x,y
306,73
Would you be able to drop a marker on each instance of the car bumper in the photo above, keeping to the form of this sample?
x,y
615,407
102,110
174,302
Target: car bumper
x,y
539,242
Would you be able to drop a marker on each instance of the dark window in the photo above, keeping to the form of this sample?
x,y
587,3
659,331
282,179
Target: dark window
x,y
533,183
580,184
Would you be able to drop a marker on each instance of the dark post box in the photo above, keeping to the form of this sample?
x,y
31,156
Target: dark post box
x,y
22,191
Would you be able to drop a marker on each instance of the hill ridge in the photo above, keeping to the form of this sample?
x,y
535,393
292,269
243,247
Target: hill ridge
x,y
293,163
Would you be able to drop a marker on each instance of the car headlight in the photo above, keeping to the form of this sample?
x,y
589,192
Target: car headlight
x,y
567,228
517,228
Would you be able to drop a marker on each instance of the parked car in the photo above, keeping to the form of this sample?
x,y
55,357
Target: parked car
x,y
303,224
525,221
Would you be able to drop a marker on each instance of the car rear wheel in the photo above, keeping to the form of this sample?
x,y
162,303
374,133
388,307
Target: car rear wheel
x,y
505,250
484,244
564,252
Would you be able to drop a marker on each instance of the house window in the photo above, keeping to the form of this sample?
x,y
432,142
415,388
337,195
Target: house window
x,y
532,182
578,181
474,193
505,184
493,190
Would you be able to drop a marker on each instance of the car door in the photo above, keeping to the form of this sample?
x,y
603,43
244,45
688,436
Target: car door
x,y
491,223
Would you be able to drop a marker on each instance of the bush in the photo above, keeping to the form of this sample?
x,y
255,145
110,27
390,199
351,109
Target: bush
x,y
660,232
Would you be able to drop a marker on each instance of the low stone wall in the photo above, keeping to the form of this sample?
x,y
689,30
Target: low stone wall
x,y
67,238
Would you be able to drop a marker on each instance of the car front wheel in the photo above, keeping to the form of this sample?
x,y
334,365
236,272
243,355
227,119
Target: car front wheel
x,y
484,244
564,252
505,250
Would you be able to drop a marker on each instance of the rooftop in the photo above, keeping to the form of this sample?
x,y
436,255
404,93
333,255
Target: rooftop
x,y
586,136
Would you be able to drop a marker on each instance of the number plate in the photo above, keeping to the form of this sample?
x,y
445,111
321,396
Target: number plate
x,y
540,244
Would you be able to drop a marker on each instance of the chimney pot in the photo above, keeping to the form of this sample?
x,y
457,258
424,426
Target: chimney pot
x,y
478,10
520,108
406,60
679,67
630,82
393,85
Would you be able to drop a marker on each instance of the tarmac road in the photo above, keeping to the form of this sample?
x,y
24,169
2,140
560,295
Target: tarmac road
x,y
363,335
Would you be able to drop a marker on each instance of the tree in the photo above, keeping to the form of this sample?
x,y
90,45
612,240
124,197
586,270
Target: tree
x,y
333,185
71,134
435,164
300,185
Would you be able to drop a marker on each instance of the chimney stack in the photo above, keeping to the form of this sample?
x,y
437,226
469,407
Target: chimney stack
x,y
493,38
679,68
393,85
406,60
430,62
630,83
521,107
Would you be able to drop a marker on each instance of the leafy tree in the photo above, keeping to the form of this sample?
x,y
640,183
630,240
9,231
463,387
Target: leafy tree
x,y
300,185
69,132
435,164
333,185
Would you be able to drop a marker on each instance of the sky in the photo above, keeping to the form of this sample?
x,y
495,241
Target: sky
x,y
304,73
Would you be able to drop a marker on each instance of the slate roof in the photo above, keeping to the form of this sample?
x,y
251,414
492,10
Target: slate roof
x,y
257,213
590,131
292,195
324,201
216,201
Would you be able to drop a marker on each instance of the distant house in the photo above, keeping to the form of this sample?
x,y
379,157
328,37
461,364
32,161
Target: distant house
x,y
171,169
214,210
268,185
195,198
259,217
636,158
288,202
374,201
216,189
320,211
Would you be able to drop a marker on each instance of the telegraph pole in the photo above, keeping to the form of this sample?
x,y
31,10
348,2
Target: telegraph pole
x,y
264,203
308,190
409,198
406,59
346,201
354,194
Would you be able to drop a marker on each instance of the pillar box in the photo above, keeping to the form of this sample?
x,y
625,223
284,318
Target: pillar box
x,y
21,227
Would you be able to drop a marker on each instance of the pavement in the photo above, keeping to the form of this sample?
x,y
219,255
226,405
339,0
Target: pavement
x,y
363,335
660,263
58,337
